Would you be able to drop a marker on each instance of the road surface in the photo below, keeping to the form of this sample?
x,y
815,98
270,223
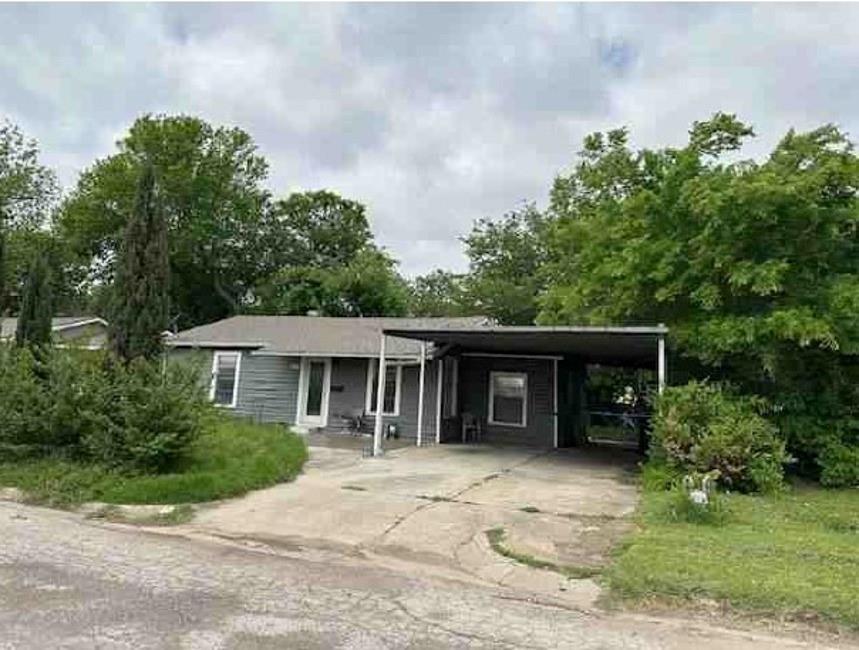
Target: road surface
x,y
70,583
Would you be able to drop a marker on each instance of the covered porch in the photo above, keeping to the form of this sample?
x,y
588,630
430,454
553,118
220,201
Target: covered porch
x,y
521,385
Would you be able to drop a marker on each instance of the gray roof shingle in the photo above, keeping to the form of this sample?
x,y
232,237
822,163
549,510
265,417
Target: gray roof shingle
x,y
315,335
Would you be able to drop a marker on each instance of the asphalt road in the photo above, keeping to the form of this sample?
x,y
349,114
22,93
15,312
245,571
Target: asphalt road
x,y
69,583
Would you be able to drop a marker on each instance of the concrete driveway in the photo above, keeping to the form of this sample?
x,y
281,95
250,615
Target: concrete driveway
x,y
433,506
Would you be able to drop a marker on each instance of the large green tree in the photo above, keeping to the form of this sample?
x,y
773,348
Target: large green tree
x,y
326,261
211,192
505,258
37,306
28,190
368,285
753,265
319,229
140,293
440,293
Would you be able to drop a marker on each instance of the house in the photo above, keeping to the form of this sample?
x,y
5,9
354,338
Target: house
x,y
88,332
444,379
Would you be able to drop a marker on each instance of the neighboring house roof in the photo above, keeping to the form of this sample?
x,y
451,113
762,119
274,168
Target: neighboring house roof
x,y
8,326
314,335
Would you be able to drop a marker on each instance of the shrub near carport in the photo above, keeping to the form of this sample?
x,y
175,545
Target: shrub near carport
x,y
702,427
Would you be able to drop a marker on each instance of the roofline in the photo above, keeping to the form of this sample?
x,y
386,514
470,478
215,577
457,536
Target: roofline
x,y
215,344
79,323
334,355
281,353
655,330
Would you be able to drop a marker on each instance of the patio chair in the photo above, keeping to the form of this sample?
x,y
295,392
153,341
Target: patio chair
x,y
472,428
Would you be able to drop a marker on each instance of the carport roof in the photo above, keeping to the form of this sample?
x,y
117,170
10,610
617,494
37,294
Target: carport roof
x,y
626,346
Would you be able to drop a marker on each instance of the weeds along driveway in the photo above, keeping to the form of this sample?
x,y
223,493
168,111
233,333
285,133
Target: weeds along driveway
x,y
434,506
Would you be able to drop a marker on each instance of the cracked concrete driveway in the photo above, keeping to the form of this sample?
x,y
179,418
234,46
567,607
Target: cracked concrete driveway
x,y
432,506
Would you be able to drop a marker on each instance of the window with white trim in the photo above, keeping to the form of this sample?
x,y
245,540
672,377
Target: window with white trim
x,y
393,385
225,378
508,398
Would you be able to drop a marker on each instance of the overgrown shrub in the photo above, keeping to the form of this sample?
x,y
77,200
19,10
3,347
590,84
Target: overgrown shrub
x,y
701,427
156,413
840,465
79,394
22,404
85,404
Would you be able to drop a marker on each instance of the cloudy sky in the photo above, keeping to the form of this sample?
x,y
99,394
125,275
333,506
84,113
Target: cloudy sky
x,y
432,115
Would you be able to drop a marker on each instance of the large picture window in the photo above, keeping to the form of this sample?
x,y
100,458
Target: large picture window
x,y
225,378
508,398
393,383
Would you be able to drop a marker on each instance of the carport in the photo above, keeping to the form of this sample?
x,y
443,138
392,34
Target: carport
x,y
519,385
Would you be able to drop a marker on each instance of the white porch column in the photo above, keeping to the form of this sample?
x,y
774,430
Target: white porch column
x,y
438,392
421,392
662,365
555,409
380,400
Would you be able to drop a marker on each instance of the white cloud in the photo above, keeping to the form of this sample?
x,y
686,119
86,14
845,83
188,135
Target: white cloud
x,y
433,115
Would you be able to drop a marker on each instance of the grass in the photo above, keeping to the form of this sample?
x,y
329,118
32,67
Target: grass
x,y
497,537
174,515
233,457
793,555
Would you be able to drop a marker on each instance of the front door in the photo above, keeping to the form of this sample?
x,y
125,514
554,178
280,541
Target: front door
x,y
313,396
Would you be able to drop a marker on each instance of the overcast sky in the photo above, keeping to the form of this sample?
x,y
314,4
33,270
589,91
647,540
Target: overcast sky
x,y
432,115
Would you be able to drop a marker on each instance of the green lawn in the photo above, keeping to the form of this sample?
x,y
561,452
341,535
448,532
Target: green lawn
x,y
233,457
793,554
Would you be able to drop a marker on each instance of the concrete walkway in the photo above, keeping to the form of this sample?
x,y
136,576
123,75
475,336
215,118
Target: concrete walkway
x,y
432,507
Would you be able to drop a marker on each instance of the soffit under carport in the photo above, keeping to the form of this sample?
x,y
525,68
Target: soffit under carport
x,y
616,346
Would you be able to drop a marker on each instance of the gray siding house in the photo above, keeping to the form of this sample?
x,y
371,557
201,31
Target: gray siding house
x,y
445,379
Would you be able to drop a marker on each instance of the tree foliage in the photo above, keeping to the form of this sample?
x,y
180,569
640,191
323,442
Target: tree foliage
x,y
319,229
505,258
440,293
368,285
326,261
28,190
140,293
210,188
37,306
753,265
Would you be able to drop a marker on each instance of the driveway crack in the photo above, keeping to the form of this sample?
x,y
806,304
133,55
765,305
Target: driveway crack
x,y
451,497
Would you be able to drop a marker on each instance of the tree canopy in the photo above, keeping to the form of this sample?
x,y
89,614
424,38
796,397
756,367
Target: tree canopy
x,y
753,265
28,191
505,258
210,188
440,293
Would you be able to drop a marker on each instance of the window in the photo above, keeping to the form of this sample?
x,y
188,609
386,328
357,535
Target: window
x,y
393,381
508,398
225,378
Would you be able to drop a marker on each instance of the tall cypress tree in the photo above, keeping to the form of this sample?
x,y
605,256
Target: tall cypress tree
x,y
139,301
34,320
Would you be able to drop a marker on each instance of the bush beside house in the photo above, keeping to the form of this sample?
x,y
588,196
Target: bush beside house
x,y
79,425
701,427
